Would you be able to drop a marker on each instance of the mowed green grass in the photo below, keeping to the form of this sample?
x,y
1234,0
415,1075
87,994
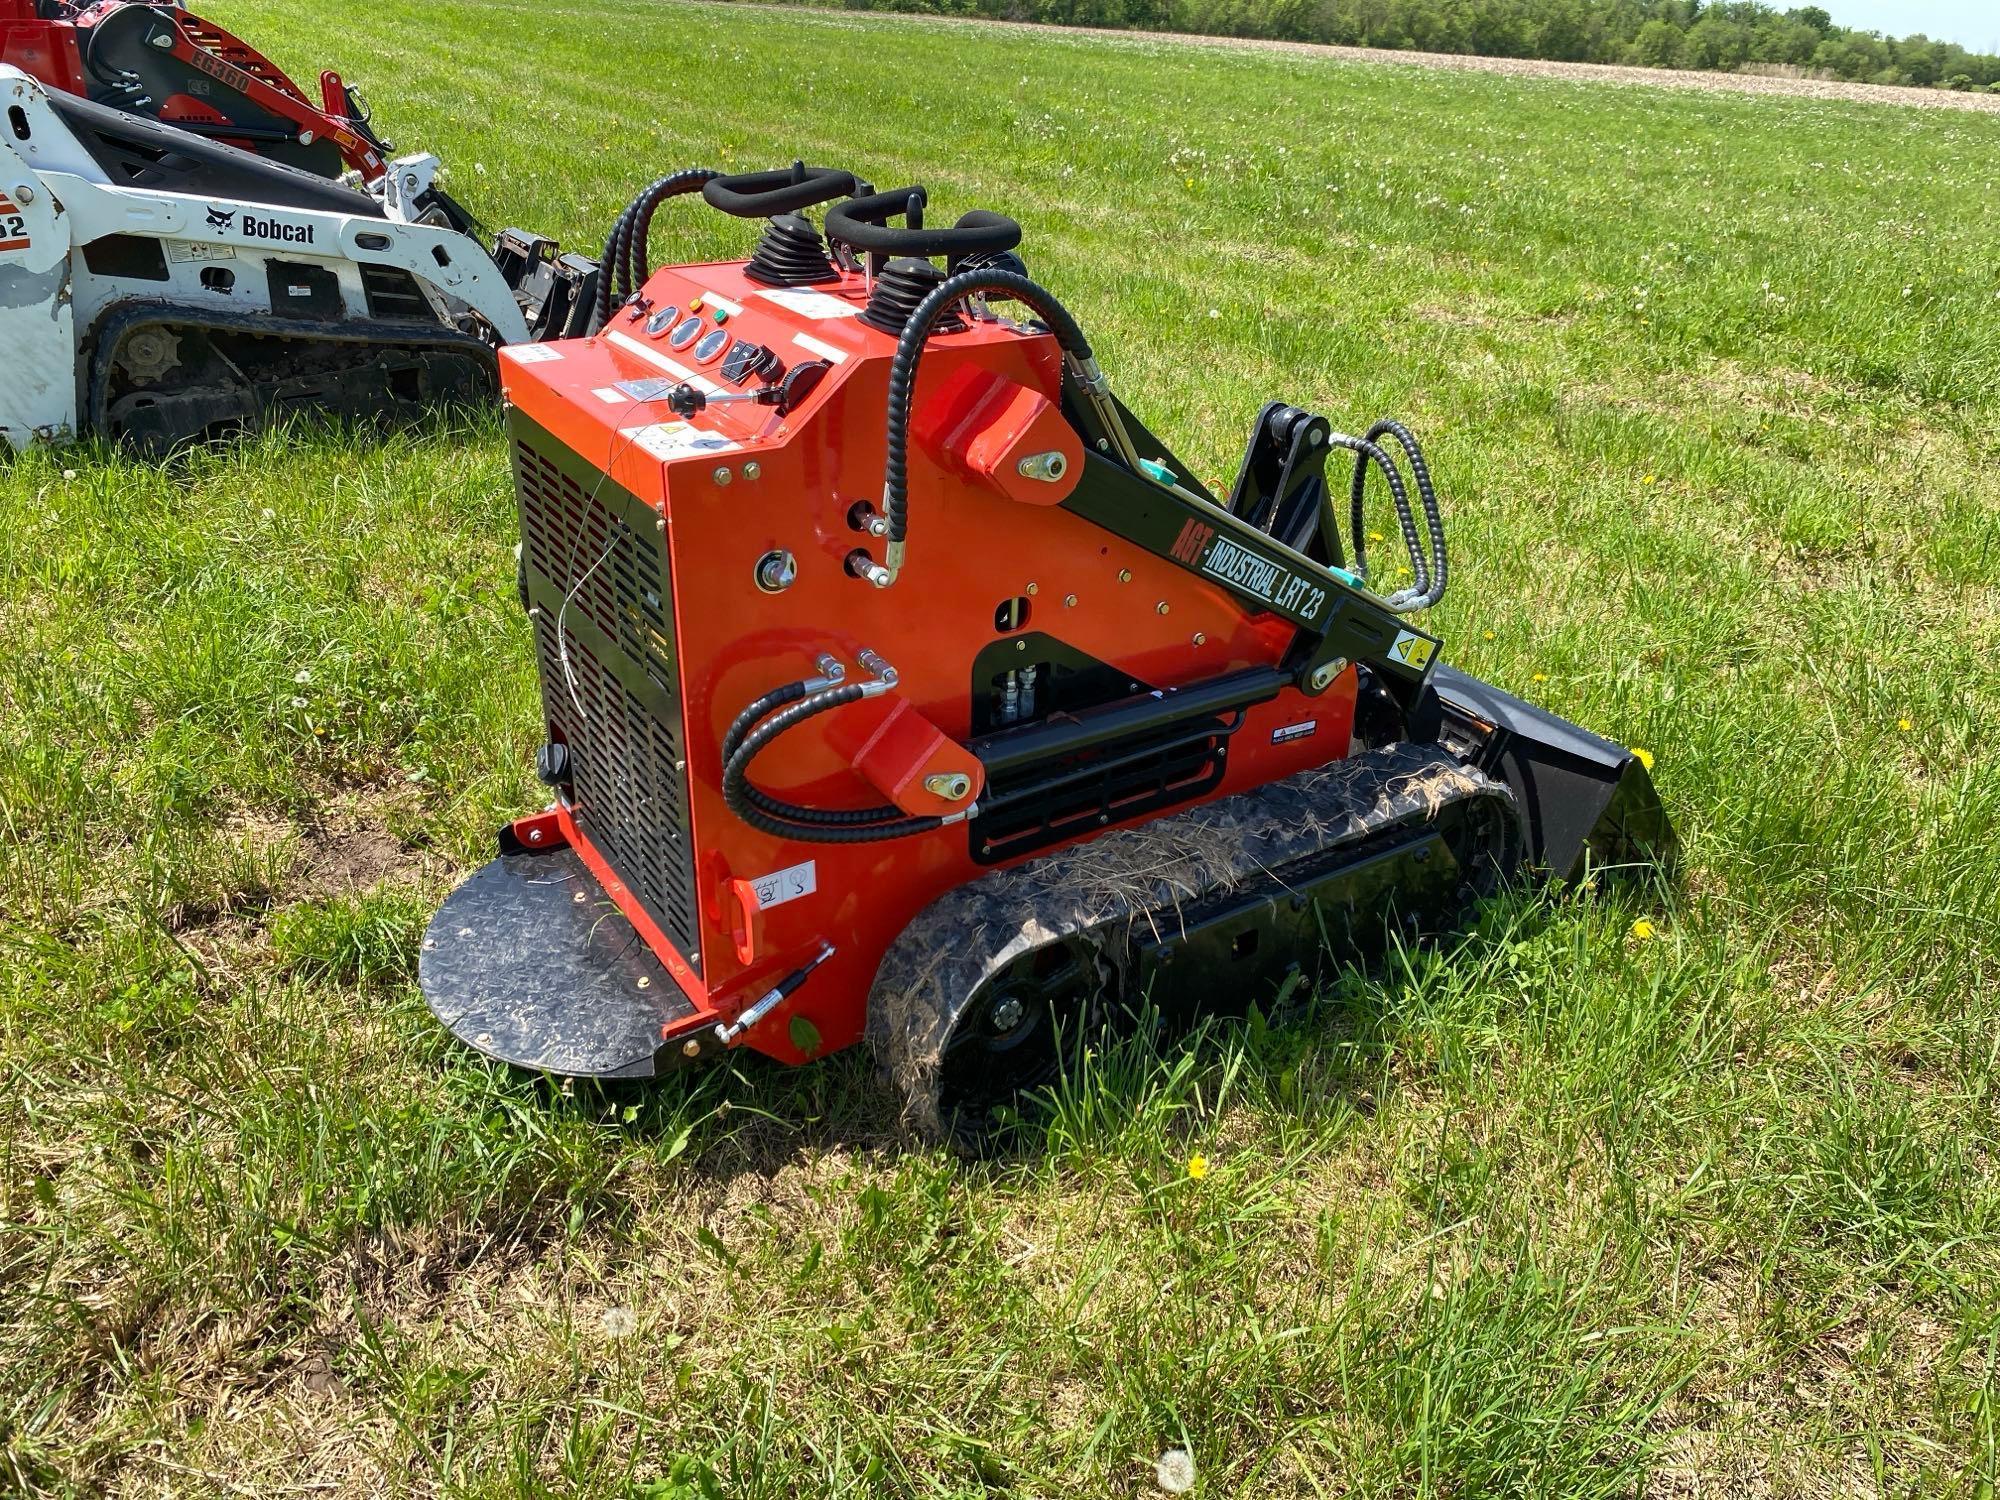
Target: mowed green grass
x,y
1711,387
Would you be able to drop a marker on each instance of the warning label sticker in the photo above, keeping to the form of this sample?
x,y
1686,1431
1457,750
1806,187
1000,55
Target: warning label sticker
x,y
1412,650
788,884
1284,734
186,251
677,440
13,226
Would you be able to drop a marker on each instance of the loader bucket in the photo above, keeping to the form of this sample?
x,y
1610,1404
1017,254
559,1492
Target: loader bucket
x,y
1587,803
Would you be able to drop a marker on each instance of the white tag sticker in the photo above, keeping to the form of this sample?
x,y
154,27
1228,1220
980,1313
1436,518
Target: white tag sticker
x,y
184,252
531,354
1285,733
820,347
610,395
785,885
819,306
677,440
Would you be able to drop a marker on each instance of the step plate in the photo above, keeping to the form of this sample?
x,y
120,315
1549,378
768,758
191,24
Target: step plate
x,y
519,969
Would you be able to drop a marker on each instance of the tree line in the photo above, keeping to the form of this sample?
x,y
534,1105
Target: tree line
x,y
1726,35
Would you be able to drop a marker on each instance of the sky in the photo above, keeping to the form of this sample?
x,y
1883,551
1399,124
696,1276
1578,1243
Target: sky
x,y
1971,23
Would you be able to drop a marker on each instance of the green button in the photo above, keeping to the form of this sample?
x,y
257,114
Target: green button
x,y
721,316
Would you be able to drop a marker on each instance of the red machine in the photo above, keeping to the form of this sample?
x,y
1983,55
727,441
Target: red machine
x,y
155,58
899,684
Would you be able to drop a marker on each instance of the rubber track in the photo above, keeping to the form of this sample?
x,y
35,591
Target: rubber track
x,y
1140,877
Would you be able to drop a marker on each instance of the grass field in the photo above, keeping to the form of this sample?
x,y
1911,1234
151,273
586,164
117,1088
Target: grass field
x,y
1685,1193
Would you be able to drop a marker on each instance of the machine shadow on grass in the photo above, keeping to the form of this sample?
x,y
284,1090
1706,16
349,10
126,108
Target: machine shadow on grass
x,y
1133,1080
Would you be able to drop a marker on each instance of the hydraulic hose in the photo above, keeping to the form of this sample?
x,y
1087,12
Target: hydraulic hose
x,y
910,349
789,820
625,248
1433,515
1367,452
1429,565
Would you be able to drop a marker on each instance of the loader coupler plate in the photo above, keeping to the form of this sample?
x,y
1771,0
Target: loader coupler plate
x,y
530,963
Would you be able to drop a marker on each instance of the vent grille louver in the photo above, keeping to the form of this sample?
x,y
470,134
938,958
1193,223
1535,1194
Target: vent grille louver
x,y
629,786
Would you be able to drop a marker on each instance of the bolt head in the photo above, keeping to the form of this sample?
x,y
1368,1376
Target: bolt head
x,y
1069,601
691,1047
1200,639
24,194
753,471
1033,588
1007,1013
1163,606
722,474
1124,575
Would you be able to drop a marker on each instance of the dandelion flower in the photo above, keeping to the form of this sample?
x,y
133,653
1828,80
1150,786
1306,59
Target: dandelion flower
x,y
1644,930
1643,756
1197,1167
619,1322
1489,635
1905,725
69,473
1175,1471
1649,479
1540,677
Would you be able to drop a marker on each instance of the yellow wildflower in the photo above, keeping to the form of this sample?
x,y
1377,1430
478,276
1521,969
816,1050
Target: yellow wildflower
x,y
1489,635
1643,756
1197,1167
1905,725
1642,930
1540,677
1649,479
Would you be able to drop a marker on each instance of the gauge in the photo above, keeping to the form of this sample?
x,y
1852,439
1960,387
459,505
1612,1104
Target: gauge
x,y
662,320
686,333
711,346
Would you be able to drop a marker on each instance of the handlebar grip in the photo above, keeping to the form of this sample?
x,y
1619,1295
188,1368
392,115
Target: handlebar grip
x,y
760,195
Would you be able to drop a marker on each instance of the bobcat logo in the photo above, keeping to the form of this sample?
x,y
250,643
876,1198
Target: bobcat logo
x,y
221,218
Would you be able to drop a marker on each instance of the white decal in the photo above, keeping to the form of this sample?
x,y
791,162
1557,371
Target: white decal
x,y
654,357
610,395
677,440
185,251
531,354
709,300
819,306
1270,581
1285,733
820,347
788,884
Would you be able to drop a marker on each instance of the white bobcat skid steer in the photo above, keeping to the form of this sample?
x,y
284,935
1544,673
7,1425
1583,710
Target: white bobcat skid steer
x,y
158,288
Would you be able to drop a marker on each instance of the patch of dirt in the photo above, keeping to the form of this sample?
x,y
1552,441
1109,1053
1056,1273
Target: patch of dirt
x,y
351,849
349,860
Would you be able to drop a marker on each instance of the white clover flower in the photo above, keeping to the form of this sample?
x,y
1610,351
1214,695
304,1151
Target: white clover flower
x,y
1175,1471
303,674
